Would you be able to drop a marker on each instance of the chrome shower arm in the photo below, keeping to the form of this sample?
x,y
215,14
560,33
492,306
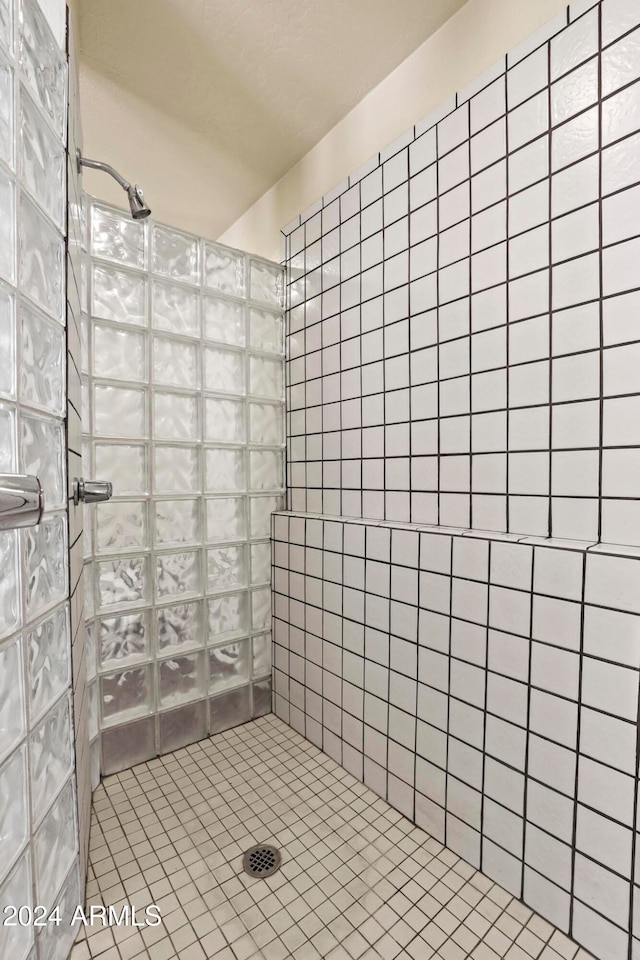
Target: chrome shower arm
x,y
139,209
98,165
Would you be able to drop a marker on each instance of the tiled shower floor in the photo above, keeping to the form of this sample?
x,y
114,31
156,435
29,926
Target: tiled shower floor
x,y
358,880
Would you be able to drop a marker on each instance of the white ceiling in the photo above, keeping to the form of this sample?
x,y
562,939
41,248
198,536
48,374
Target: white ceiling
x,y
261,81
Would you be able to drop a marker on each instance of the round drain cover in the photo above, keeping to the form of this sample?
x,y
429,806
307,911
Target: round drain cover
x,y
261,860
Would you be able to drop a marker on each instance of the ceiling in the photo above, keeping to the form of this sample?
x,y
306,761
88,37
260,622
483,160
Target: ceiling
x,y
259,81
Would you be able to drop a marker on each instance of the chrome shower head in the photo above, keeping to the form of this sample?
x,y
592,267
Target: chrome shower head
x,y
137,205
139,209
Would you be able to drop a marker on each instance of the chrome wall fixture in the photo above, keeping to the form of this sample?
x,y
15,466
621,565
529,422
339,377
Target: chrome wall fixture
x,y
21,501
91,491
137,205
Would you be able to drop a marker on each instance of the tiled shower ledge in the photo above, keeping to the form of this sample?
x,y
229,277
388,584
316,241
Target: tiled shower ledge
x,y
588,546
358,880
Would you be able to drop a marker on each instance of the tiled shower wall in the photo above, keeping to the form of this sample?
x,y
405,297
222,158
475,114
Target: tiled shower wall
x,y
488,689
184,415
38,828
463,352
463,341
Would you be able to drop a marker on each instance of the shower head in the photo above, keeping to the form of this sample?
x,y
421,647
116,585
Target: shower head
x,y
139,209
137,205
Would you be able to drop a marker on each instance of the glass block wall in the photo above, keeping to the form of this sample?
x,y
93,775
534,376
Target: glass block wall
x,y
184,414
38,822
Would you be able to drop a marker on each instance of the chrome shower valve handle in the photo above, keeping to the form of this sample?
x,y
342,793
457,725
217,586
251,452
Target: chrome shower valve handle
x,y
91,491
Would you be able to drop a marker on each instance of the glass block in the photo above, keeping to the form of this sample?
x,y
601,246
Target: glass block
x,y
51,755
228,616
175,308
123,639
174,254
8,445
126,694
229,665
86,456
261,608
84,343
261,697
9,583
87,530
115,236
55,941
118,354
224,269
6,105
124,465
123,581
84,285
230,709
266,377
93,710
225,469
119,296
226,519
88,589
177,521
266,423
55,15
43,64
7,344
85,403
43,450
118,411
43,362
7,228
266,331
15,942
45,553
185,725
224,420
14,811
180,627
42,161
90,650
127,745
223,370
48,646
226,568
175,416
260,562
175,363
176,469
261,509
181,679
178,574
261,655
267,283
267,469
6,23
120,526
224,320
41,260
56,845
95,760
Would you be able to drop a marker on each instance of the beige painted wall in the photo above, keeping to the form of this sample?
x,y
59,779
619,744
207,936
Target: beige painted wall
x,y
468,43
170,162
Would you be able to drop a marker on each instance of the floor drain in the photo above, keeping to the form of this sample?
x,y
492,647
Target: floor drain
x,y
261,861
